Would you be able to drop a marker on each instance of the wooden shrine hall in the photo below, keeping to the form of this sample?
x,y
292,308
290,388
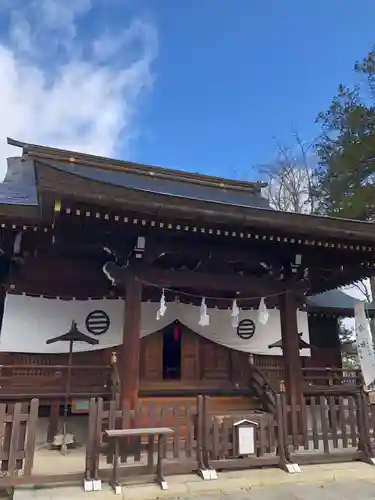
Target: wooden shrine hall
x,y
189,284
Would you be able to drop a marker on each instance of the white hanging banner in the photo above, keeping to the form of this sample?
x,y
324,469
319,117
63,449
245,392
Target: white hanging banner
x,y
365,347
29,322
250,335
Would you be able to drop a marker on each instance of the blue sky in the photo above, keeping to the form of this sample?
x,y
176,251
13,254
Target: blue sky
x,y
202,85
231,74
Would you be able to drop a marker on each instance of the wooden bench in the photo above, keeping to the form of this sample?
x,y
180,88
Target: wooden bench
x,y
118,434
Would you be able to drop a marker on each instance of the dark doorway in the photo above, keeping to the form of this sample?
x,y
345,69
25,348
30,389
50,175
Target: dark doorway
x,y
172,353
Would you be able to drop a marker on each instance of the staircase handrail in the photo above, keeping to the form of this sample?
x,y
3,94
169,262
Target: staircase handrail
x,y
266,386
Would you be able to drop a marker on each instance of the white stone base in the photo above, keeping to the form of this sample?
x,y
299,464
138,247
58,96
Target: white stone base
x,y
292,468
207,474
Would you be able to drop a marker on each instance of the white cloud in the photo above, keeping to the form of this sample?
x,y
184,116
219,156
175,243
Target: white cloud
x,y
65,86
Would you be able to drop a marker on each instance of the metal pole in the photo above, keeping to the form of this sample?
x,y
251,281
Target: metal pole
x,y
67,392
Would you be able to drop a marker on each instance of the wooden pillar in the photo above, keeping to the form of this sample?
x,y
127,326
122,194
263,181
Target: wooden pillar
x,y
291,355
129,361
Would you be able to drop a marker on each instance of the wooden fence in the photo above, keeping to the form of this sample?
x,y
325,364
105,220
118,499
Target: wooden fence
x,y
18,425
202,440
219,438
329,428
181,452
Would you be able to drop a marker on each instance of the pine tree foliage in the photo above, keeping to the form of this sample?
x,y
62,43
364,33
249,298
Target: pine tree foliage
x,y
346,148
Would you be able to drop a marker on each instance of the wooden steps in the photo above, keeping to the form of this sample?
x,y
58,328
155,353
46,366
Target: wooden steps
x,y
162,411
174,412
183,388
234,403
217,403
263,389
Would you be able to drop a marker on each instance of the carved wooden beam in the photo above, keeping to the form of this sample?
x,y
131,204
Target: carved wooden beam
x,y
339,277
72,235
195,280
216,252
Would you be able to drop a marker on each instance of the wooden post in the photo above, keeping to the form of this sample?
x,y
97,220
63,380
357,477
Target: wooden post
x,y
129,365
291,355
53,420
337,342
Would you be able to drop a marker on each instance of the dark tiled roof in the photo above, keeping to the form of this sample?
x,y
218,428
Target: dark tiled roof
x,y
237,202
158,180
167,187
19,185
335,299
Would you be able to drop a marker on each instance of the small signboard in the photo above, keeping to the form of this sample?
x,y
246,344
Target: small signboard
x,y
80,405
245,433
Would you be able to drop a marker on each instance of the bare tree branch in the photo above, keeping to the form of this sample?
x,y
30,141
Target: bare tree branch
x,y
363,289
290,177
292,187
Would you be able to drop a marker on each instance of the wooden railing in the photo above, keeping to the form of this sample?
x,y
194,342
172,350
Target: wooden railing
x,y
331,378
95,380
318,379
263,388
47,381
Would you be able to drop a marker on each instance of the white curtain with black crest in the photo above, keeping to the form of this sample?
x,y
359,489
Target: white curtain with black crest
x,y
29,322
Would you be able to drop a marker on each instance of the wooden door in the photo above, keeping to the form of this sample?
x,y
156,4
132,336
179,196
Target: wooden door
x,y
151,357
189,356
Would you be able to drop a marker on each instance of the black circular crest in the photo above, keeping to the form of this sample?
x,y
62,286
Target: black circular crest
x,y
246,329
97,322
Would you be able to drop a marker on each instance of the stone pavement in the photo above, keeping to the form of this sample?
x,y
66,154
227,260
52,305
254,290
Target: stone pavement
x,y
349,481
359,490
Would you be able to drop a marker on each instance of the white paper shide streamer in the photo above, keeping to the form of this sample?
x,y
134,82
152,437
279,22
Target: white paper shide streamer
x,y
365,347
163,306
204,319
17,243
235,314
263,312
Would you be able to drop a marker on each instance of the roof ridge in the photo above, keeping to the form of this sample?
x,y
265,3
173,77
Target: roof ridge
x,y
105,163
